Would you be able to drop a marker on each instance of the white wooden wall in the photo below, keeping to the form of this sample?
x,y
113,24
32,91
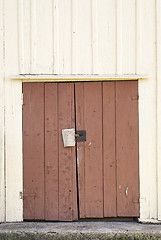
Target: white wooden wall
x,y
2,165
80,37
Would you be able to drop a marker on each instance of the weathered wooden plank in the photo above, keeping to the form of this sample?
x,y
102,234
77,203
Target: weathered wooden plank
x,y
109,149
91,106
79,102
127,149
51,152
67,208
33,150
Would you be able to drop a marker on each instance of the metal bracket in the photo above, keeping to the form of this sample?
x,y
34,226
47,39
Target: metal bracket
x,y
81,135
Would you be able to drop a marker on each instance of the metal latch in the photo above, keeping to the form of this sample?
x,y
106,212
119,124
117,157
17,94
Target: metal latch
x,y
70,137
80,135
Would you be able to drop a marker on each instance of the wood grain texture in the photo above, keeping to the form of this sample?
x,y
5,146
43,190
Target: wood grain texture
x,y
91,104
79,93
67,157
127,150
109,174
51,152
33,150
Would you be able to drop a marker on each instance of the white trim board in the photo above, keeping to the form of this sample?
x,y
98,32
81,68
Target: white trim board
x,y
158,21
74,77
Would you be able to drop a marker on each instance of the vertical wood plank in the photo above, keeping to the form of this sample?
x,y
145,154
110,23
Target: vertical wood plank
x,y
84,37
33,36
67,158
2,88
147,104
55,30
25,44
158,9
42,30
74,12
94,36
65,36
119,36
127,150
51,152
21,35
106,15
92,117
138,58
13,115
79,93
33,150
109,149
128,36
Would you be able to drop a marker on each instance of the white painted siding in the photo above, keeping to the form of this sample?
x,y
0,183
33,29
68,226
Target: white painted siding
x,y
158,9
81,37
2,157
13,114
147,111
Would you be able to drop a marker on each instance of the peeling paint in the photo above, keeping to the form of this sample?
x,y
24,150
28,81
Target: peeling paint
x,y
126,191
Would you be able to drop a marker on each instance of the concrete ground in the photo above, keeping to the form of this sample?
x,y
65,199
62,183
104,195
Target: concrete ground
x,y
79,230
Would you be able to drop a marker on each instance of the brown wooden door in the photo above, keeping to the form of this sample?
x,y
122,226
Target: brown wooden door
x,y
97,178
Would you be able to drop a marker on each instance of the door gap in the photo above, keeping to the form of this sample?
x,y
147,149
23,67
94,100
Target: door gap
x,y
102,147
77,185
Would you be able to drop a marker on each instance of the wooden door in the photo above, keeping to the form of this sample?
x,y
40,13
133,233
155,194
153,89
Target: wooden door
x,y
49,168
97,178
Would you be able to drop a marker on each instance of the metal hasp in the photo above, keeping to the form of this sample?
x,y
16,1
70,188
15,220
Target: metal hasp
x,y
81,136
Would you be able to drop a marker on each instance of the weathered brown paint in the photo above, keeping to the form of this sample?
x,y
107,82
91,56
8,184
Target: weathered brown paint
x,y
109,159
109,113
91,104
79,93
66,155
51,152
127,149
33,150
